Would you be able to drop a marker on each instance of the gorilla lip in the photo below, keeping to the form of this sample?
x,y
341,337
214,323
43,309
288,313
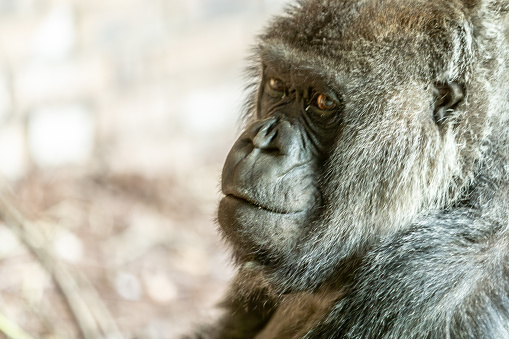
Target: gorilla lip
x,y
260,207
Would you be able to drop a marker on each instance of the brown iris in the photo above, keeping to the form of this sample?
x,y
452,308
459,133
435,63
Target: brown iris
x,y
325,103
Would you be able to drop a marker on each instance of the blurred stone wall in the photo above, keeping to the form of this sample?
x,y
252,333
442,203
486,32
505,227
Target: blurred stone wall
x,y
115,118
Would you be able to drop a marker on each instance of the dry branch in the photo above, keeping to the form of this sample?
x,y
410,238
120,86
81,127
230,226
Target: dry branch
x,y
91,315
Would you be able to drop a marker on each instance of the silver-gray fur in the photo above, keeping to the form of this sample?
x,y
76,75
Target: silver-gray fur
x,y
406,229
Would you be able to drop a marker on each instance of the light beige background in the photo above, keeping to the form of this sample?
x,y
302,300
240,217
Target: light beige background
x,y
115,118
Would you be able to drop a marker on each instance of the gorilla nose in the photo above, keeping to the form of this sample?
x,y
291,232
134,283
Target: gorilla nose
x,y
273,135
262,135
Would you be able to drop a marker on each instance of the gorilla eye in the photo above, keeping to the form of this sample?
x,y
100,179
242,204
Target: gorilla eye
x,y
325,103
277,85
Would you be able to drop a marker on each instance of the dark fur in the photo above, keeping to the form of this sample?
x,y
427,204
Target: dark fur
x,y
406,230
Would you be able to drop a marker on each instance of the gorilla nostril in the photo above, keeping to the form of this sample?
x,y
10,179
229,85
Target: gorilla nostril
x,y
264,137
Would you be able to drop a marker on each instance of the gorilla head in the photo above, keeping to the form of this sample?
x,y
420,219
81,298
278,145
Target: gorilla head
x,y
362,120
370,120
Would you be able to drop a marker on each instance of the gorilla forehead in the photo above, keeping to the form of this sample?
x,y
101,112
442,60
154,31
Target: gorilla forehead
x,y
371,20
371,30
399,60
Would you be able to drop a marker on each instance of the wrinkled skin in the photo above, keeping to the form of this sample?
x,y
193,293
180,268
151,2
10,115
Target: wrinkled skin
x,y
368,196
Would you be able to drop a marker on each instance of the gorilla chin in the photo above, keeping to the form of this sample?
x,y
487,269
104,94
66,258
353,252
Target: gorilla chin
x,y
238,217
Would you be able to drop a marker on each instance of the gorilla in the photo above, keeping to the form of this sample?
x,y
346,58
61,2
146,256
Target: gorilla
x,y
368,196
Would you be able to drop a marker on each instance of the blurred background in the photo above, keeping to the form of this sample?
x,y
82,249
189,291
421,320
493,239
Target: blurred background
x,y
115,119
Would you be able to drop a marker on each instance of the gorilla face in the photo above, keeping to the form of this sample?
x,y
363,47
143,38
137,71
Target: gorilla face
x,y
271,176
350,137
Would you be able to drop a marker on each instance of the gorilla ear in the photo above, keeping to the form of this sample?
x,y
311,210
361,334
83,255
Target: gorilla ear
x,y
447,96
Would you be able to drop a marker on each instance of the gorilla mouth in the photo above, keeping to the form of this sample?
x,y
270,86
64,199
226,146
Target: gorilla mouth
x,y
253,204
